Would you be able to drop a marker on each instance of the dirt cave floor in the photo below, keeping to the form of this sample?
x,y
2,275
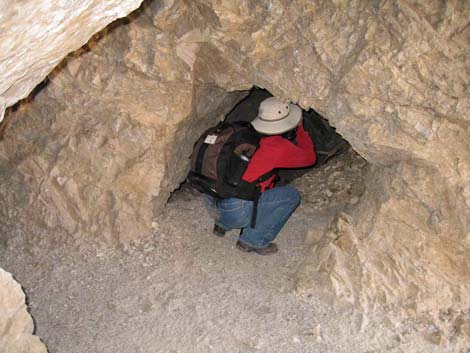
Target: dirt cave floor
x,y
185,290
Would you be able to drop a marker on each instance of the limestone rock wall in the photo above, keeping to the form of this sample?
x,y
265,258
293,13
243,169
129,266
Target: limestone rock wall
x,y
401,101
398,253
392,76
106,136
36,35
16,325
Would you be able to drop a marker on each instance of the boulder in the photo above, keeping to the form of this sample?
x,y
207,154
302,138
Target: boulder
x,y
16,325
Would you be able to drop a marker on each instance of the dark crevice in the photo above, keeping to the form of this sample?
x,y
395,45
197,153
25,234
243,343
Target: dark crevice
x,y
328,143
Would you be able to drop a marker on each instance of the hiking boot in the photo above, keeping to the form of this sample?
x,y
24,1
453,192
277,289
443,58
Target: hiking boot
x,y
270,249
218,230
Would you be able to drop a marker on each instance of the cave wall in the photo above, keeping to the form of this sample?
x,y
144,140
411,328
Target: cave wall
x,y
37,35
99,149
391,76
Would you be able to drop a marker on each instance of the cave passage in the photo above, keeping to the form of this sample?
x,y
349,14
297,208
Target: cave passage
x,y
92,159
328,142
334,183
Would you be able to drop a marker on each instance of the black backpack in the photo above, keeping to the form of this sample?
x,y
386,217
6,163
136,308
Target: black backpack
x,y
220,158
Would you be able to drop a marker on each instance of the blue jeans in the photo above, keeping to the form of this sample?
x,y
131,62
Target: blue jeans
x,y
275,206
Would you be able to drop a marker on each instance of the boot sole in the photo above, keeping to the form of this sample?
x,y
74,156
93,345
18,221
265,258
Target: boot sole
x,y
271,249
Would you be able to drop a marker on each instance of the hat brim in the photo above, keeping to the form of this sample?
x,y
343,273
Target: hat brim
x,y
281,126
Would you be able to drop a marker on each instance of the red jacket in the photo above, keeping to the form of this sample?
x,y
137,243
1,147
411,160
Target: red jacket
x,y
278,152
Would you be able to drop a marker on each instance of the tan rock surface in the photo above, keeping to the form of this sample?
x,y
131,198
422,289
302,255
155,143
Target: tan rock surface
x,y
16,325
128,110
107,139
36,35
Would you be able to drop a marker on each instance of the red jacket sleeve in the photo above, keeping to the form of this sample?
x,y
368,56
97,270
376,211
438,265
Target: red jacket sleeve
x,y
278,152
297,155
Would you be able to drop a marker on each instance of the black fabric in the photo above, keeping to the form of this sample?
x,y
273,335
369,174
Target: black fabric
x,y
325,139
232,165
247,109
200,157
202,184
323,135
255,211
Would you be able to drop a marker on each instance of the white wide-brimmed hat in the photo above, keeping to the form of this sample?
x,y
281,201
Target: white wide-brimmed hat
x,y
275,117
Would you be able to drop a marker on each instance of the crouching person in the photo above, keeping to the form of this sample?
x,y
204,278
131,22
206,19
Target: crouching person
x,y
282,143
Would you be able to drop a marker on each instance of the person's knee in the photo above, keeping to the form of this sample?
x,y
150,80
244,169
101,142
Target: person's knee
x,y
297,198
293,195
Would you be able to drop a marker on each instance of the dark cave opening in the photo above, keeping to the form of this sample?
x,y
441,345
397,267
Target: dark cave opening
x,y
335,181
328,143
